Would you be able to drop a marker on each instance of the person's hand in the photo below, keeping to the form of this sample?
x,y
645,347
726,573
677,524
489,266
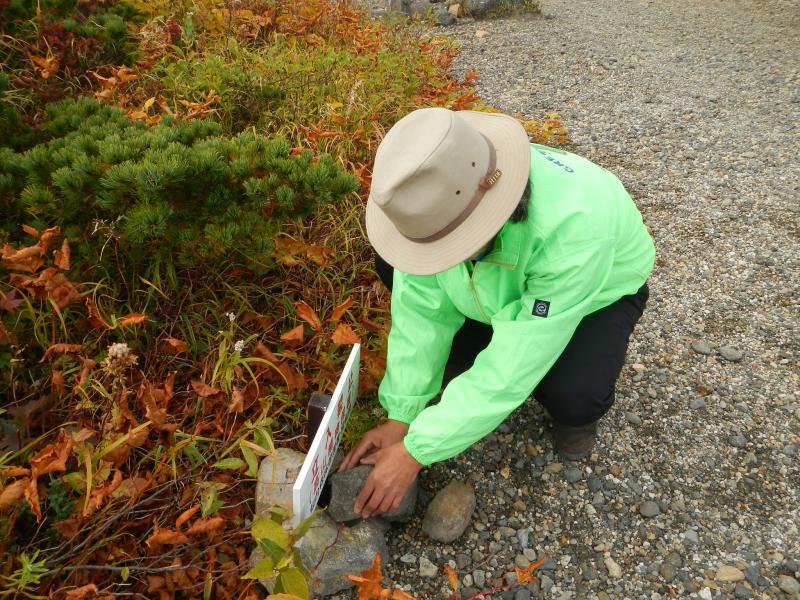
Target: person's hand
x,y
394,471
375,439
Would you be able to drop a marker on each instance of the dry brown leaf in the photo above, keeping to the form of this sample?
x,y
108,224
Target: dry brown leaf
x,y
95,318
155,401
30,231
132,487
295,381
339,311
57,349
82,592
203,390
57,382
263,352
294,337
5,336
9,302
131,319
319,255
10,472
344,334
205,525
48,237
452,576
305,312
86,369
505,472
101,492
237,401
52,457
166,537
186,515
177,346
10,495
26,259
50,283
32,496
61,257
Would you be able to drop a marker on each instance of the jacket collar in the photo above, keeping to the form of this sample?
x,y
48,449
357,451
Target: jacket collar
x,y
506,250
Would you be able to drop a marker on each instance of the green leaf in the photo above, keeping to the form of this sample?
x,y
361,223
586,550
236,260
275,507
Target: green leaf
x,y
252,461
279,513
262,570
291,581
267,529
304,526
125,572
230,463
298,562
272,550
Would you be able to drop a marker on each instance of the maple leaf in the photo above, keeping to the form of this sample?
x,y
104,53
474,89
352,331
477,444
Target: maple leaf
x,y
368,584
305,312
339,311
294,337
344,334
166,537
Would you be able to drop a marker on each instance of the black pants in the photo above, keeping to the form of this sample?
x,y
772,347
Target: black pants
x,y
579,388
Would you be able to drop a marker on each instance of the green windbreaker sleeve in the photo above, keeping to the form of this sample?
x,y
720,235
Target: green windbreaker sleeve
x,y
523,347
424,322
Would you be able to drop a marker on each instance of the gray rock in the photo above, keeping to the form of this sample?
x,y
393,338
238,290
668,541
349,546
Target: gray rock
x,y
445,18
740,591
649,509
594,484
789,584
427,568
737,440
547,584
479,577
523,535
522,594
633,418
731,354
339,552
450,512
573,475
697,403
690,535
276,476
702,347
346,486
482,8
409,559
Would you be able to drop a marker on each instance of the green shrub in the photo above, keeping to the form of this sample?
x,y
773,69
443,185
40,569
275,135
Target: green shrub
x,y
179,190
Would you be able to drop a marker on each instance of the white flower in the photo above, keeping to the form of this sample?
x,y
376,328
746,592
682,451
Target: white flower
x,y
231,316
239,346
118,351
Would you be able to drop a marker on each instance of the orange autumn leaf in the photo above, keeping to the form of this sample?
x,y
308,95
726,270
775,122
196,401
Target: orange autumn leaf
x,y
62,256
10,495
26,259
10,472
175,345
52,457
166,537
452,577
294,337
344,334
30,231
95,318
186,515
319,255
368,584
101,492
339,311
203,390
305,312
205,525
131,319
83,592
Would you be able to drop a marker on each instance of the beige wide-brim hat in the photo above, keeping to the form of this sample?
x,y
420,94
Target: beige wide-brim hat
x,y
443,185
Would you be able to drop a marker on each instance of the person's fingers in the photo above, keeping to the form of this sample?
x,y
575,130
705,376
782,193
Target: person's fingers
x,y
386,505
374,502
364,495
370,459
351,460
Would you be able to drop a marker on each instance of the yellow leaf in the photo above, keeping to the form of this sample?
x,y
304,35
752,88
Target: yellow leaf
x,y
148,103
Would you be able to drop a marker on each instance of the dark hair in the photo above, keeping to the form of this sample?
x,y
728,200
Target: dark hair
x,y
520,213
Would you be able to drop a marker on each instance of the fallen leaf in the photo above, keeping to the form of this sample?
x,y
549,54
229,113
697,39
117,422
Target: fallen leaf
x,y
10,472
131,319
5,336
205,525
319,255
452,576
26,259
178,346
61,257
237,401
505,472
10,495
82,592
95,318
166,537
101,492
9,302
344,334
339,311
52,457
30,231
369,584
57,349
305,312
295,336
186,515
203,390
57,383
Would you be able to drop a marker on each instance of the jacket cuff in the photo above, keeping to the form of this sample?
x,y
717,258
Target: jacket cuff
x,y
416,453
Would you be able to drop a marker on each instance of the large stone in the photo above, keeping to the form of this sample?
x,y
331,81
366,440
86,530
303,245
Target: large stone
x,y
329,558
450,512
729,573
488,8
276,476
346,486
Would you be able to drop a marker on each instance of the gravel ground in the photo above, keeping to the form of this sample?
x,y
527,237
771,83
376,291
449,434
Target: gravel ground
x,y
695,106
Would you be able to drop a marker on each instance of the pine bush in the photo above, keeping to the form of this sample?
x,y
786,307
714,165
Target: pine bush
x,y
177,191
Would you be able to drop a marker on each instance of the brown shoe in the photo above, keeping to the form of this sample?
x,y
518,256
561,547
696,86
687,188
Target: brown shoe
x,y
574,443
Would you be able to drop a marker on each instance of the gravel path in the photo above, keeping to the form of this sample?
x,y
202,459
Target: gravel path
x,y
695,105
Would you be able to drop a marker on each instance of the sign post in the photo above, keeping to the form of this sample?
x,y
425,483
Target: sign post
x,y
317,465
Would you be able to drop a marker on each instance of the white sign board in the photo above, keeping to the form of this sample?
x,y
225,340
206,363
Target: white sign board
x,y
315,469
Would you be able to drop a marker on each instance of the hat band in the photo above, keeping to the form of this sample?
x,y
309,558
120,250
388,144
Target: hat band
x,y
491,177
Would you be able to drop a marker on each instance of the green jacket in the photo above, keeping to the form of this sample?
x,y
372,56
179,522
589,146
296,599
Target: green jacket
x,y
582,247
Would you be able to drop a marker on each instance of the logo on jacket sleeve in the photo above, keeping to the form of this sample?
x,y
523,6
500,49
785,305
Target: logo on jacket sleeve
x,y
540,308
